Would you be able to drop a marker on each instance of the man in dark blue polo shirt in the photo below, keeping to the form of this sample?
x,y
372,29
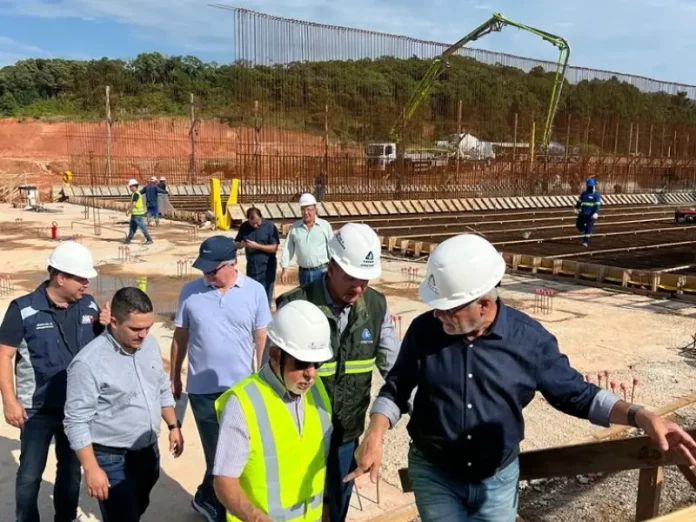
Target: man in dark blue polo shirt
x,y
259,237
41,333
476,363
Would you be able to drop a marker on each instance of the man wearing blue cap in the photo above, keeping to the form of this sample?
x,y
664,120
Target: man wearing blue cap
x,y
221,323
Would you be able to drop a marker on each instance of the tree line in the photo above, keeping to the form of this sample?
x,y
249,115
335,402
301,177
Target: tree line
x,y
359,99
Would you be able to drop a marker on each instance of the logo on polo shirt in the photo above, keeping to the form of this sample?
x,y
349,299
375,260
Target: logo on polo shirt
x,y
87,319
366,336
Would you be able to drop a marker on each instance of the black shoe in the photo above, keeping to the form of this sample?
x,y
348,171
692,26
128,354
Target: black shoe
x,y
149,242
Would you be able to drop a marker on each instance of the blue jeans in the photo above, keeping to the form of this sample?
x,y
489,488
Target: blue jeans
x,y
440,497
132,475
203,407
39,429
337,493
137,222
308,275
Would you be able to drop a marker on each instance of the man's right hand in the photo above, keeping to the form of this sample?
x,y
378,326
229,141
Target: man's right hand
x,y
284,276
177,388
97,483
15,414
369,453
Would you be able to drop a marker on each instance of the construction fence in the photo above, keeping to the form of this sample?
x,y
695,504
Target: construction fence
x,y
306,101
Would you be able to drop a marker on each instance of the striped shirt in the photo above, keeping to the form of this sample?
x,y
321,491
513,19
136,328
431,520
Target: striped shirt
x,y
310,244
233,443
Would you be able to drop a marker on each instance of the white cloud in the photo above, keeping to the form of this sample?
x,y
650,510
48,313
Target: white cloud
x,y
647,37
12,51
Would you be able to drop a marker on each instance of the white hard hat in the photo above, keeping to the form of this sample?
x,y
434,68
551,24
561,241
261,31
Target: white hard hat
x,y
132,182
162,178
302,330
307,200
357,250
153,178
460,270
73,258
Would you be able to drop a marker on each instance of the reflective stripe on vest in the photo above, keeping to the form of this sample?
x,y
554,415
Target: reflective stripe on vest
x,y
364,366
327,369
308,510
138,206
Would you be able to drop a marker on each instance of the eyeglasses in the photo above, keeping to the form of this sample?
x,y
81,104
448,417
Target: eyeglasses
x,y
302,365
456,309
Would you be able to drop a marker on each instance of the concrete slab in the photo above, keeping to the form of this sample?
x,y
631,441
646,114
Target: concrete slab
x,y
330,208
350,208
296,211
341,209
400,207
286,211
427,206
381,210
417,205
371,209
361,208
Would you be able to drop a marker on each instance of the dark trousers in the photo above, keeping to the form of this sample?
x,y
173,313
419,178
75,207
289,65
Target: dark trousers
x,y
203,407
137,222
267,280
585,224
337,493
40,428
132,475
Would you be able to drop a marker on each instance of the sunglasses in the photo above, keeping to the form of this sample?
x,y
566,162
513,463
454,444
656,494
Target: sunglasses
x,y
216,270
301,365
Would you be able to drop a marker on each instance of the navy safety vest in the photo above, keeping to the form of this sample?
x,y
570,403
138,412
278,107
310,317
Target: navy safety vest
x,y
44,354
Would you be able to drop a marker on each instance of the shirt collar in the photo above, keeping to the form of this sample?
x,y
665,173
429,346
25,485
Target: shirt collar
x,y
45,302
329,300
500,326
266,373
116,345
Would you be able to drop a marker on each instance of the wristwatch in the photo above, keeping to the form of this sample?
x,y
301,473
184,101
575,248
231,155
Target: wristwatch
x,y
176,425
632,415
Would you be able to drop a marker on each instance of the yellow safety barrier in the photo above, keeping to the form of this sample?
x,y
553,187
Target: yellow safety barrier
x,y
223,221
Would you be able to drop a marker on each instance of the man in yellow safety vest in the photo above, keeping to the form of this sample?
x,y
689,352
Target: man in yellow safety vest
x,y
137,212
275,426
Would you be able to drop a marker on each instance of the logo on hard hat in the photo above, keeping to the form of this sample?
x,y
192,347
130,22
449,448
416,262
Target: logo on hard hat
x,y
432,285
366,336
340,240
369,260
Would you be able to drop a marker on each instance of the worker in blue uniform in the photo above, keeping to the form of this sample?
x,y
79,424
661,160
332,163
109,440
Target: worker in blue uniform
x,y
588,210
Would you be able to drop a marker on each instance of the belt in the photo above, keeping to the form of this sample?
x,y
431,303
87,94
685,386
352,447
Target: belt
x,y
117,451
315,267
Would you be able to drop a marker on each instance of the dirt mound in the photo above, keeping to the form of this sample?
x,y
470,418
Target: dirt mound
x,y
156,138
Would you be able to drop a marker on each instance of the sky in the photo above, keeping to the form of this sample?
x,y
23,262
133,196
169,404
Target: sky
x,y
650,38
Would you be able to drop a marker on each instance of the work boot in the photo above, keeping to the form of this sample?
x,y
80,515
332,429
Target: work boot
x,y
149,242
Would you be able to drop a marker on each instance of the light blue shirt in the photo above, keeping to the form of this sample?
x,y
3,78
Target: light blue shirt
x,y
115,398
221,331
311,245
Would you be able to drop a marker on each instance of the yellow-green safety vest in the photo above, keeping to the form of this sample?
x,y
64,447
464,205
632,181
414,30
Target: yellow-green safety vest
x,y
139,205
284,475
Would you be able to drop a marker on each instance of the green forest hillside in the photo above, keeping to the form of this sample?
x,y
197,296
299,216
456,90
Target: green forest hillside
x,y
363,96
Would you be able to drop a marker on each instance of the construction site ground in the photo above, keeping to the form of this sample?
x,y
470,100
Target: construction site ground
x,y
624,334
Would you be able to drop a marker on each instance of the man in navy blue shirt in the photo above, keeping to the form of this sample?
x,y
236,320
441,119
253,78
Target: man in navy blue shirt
x,y
40,334
476,363
259,238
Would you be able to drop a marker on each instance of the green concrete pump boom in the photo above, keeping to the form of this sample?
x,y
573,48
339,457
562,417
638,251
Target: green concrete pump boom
x,y
495,23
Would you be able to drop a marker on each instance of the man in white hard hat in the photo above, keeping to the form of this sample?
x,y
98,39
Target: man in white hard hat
x,y
137,212
276,425
363,338
40,334
308,238
476,364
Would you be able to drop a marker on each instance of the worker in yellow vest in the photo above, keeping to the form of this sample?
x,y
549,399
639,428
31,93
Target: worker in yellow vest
x,y
137,212
275,426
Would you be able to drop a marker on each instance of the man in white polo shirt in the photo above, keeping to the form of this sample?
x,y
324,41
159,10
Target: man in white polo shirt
x,y
221,323
309,239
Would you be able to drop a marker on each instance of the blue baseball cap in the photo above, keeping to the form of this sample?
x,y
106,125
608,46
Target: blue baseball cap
x,y
213,251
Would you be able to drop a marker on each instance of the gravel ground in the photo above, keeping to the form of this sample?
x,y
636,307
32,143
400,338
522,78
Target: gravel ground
x,y
627,335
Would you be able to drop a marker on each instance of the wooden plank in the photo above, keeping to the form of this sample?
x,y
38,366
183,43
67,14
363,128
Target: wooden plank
x,y
649,490
391,208
596,457
689,474
683,515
